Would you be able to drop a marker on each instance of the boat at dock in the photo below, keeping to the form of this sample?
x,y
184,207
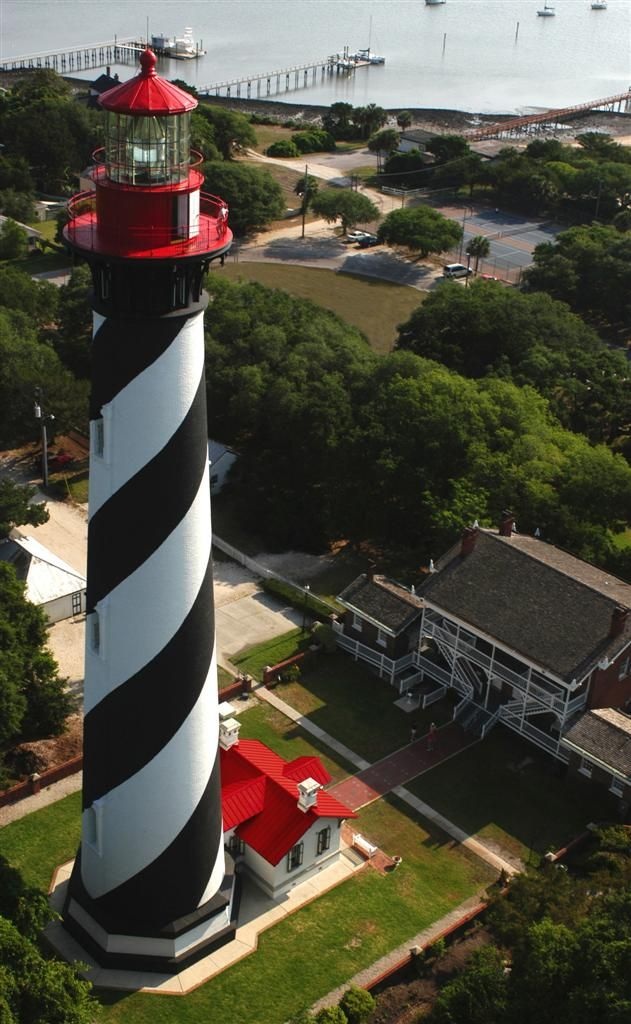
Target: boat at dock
x,y
179,48
366,57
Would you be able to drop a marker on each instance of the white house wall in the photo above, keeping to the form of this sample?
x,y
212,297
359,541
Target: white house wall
x,y
275,880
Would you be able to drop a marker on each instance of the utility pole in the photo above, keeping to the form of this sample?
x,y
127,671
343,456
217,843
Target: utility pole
x,y
304,199
39,415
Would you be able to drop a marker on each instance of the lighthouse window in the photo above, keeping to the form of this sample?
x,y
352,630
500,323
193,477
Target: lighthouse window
x,y
95,632
147,150
98,429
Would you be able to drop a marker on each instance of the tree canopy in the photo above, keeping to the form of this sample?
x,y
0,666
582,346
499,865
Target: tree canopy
x,y
17,508
421,229
488,329
254,198
345,205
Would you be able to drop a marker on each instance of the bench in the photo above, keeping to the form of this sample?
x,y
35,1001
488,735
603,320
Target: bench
x,y
361,843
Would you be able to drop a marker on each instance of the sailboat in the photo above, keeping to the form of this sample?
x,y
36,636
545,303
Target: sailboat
x,y
546,11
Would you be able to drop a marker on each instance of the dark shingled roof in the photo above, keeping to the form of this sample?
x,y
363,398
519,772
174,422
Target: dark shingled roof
x,y
604,734
533,598
383,601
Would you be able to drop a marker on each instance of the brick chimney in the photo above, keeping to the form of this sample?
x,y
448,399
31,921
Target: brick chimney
x,y
507,523
469,537
618,620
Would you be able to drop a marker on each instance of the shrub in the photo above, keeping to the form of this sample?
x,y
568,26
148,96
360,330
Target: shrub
x,y
295,597
314,140
331,1015
284,147
357,1004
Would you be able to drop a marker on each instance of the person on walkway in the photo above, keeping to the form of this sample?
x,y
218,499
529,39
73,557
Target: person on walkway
x,y
431,737
413,733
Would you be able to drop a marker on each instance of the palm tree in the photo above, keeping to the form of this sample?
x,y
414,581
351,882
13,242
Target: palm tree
x,y
478,247
404,119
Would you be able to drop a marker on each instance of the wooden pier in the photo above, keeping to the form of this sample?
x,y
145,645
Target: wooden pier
x,y
78,58
534,123
298,76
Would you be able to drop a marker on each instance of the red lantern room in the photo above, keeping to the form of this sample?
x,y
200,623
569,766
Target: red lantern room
x,y
147,202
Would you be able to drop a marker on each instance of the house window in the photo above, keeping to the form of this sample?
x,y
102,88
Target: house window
x,y
294,857
77,602
324,840
616,787
356,622
585,768
382,639
623,668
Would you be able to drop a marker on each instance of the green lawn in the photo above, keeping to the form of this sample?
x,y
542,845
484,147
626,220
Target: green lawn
x,y
254,659
312,951
506,791
346,700
375,307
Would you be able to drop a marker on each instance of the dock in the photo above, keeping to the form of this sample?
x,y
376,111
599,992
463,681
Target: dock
x,y
298,76
78,58
548,119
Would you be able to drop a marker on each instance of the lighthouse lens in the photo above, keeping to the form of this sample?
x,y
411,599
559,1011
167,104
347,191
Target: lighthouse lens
x,y
148,150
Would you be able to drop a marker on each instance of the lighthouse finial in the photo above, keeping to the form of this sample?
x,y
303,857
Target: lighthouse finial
x,y
148,61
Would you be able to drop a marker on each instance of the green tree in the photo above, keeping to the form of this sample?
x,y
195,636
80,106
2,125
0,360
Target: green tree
x,y
17,205
36,989
16,507
284,148
252,195
13,240
33,698
232,132
421,229
338,120
357,1004
19,291
448,147
72,339
385,141
479,247
307,188
404,119
477,996
369,119
26,363
25,906
345,205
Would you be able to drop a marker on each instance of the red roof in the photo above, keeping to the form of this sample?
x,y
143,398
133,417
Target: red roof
x,y
147,94
260,797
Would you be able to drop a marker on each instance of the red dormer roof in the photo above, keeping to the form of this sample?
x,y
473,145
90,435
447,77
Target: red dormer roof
x,y
147,94
260,797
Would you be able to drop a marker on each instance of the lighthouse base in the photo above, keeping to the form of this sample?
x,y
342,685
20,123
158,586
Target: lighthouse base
x,y
166,949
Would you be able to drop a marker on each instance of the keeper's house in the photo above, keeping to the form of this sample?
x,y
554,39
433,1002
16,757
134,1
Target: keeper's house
x,y
279,823
524,634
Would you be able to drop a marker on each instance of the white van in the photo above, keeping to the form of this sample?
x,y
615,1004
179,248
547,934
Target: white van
x,y
456,270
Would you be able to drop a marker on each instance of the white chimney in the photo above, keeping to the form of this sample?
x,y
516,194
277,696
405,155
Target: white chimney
x,y
228,733
308,794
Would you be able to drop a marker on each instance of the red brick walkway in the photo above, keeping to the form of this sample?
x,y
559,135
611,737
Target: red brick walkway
x,y
402,766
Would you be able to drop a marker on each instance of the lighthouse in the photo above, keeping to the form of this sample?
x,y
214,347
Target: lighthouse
x,y
152,887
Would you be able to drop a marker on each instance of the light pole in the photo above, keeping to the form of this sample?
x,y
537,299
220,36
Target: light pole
x,y
304,606
466,280
305,200
39,415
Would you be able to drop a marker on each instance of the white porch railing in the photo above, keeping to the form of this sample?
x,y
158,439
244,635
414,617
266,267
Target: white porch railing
x,y
433,697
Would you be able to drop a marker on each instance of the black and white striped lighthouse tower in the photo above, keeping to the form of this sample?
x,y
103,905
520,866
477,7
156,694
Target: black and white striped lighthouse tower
x,y
150,887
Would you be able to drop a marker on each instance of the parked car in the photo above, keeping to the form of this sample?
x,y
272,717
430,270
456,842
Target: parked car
x,y
59,459
356,236
367,241
456,270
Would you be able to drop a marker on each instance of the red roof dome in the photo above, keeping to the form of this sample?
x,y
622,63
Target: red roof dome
x,y
147,94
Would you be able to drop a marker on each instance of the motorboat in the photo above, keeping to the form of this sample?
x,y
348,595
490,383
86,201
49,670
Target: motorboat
x,y
434,3
546,11
367,57
180,48
599,5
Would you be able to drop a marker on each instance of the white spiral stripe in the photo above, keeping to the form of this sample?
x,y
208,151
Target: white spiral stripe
x,y
141,615
144,415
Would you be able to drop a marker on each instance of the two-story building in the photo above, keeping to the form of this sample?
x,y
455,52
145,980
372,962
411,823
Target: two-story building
x,y
527,635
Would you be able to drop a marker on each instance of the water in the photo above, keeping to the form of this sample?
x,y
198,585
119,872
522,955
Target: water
x,y
459,55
